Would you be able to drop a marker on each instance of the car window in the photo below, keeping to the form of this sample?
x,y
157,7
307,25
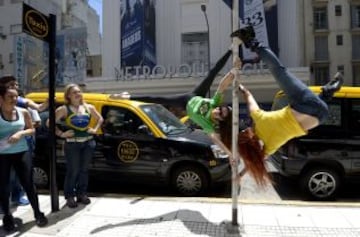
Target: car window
x,y
334,118
355,115
120,121
167,122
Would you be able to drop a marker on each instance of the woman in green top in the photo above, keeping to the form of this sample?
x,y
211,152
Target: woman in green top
x,y
271,129
79,143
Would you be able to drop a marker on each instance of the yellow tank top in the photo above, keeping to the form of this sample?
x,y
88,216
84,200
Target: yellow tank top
x,y
275,128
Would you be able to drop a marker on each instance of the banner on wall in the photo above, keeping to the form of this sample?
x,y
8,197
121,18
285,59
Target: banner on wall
x,y
70,56
31,57
19,66
31,62
262,14
138,46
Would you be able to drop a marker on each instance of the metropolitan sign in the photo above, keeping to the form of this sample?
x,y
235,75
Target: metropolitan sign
x,y
35,23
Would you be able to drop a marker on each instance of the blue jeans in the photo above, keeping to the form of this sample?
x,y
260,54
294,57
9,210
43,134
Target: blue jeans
x,y
78,156
300,97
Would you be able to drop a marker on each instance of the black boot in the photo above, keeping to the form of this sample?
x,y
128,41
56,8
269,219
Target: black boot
x,y
41,220
247,36
8,223
329,89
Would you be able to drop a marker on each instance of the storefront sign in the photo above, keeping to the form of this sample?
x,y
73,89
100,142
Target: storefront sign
x,y
35,23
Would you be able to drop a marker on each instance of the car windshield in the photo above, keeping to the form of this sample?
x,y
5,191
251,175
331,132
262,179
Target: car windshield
x,y
167,122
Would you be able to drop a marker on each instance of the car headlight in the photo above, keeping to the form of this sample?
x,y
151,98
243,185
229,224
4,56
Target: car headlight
x,y
218,152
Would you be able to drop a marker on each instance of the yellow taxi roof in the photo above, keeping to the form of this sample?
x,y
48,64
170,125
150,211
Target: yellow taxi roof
x,y
42,96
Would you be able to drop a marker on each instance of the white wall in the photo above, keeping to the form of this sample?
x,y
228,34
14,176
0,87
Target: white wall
x,y
111,37
291,34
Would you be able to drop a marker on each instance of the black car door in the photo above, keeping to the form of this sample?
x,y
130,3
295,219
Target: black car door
x,y
354,134
128,146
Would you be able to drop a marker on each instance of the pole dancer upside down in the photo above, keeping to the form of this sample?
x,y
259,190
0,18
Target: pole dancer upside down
x,y
270,129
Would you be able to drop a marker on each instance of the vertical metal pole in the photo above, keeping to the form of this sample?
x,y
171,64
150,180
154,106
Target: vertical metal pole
x,y
235,118
203,9
52,47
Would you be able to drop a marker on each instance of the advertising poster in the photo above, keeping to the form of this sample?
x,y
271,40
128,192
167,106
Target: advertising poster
x,y
149,33
71,56
31,63
31,59
19,67
138,33
59,59
262,14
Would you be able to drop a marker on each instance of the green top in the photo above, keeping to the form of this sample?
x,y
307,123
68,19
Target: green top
x,y
78,122
199,110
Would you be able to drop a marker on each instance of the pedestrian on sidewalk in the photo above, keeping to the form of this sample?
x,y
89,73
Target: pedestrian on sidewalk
x,y
270,129
79,143
18,196
15,125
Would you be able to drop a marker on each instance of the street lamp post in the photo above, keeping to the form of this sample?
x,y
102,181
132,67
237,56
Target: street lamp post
x,y
203,9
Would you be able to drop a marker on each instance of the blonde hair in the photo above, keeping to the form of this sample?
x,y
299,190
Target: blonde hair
x,y
67,91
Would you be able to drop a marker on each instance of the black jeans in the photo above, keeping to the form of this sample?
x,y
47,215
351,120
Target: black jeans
x,y
23,169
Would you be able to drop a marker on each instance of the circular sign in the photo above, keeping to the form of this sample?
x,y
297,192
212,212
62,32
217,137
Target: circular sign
x,y
37,24
127,151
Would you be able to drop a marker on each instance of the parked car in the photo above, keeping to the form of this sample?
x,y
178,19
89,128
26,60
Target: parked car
x,y
329,155
141,142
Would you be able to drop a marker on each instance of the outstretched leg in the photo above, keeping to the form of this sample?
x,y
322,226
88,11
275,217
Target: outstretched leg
x,y
300,97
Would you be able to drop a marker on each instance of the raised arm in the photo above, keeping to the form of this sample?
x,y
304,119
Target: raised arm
x,y
249,99
38,107
225,82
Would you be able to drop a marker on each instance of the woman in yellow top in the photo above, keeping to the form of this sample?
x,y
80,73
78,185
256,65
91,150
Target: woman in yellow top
x,y
271,129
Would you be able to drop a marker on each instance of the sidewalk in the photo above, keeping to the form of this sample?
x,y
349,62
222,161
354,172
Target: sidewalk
x,y
157,216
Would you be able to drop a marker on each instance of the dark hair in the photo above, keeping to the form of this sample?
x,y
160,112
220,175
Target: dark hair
x,y
250,150
6,79
3,90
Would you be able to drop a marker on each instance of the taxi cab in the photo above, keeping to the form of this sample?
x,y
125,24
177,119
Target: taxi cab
x,y
329,155
142,142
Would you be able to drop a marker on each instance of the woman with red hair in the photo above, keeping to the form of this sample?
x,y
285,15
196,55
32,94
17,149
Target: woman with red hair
x,y
270,129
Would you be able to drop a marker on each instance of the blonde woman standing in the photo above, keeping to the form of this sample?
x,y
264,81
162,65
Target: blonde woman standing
x,y
79,143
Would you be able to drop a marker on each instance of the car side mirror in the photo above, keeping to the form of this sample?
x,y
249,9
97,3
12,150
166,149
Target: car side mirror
x,y
143,129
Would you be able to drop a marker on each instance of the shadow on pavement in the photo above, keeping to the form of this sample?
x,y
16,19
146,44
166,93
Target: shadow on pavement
x,y
193,220
53,219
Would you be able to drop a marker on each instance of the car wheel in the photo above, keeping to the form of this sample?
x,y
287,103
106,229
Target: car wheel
x,y
320,184
189,180
40,177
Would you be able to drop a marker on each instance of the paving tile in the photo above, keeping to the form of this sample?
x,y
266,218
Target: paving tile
x,y
139,217
258,215
327,217
292,217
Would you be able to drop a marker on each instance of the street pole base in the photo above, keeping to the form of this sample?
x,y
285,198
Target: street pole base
x,y
232,228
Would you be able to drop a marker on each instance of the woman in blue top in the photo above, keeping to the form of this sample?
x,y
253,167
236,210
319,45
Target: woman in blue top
x,y
15,125
79,143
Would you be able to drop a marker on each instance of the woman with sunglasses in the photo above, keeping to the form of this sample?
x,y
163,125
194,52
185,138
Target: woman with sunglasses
x,y
270,129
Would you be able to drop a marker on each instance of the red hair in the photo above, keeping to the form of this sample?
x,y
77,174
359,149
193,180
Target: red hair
x,y
250,150
253,155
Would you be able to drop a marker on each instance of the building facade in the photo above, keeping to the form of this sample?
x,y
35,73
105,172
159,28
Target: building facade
x,y
26,57
332,39
315,38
